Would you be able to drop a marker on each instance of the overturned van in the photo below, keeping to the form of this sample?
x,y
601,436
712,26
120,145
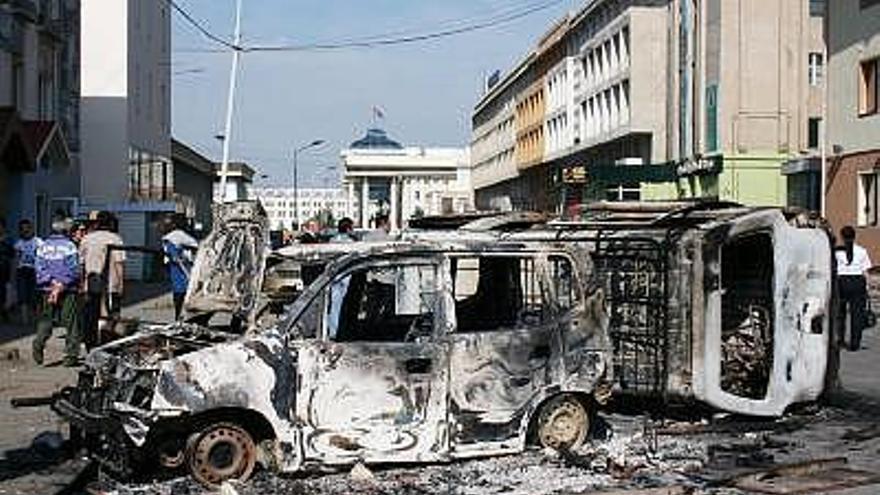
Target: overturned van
x,y
418,351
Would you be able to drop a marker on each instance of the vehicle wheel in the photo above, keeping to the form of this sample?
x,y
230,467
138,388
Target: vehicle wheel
x,y
220,453
563,423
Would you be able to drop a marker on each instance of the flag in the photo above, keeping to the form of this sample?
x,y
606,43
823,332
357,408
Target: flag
x,y
378,113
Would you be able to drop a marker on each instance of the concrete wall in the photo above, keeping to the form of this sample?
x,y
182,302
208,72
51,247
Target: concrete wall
x,y
125,61
853,36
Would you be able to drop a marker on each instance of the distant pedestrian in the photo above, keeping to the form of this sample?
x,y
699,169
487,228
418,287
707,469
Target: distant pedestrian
x,y
58,274
25,270
7,258
179,248
382,231
853,264
344,231
103,276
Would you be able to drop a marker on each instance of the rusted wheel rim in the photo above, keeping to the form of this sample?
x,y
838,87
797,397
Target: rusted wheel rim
x,y
222,453
563,425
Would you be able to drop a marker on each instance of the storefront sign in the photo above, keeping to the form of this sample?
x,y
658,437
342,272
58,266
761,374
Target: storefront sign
x,y
701,166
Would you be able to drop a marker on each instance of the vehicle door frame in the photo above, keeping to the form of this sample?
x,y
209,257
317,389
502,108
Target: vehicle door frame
x,y
554,367
796,349
314,353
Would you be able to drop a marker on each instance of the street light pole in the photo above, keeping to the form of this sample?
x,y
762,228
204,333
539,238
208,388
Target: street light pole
x,y
230,103
296,152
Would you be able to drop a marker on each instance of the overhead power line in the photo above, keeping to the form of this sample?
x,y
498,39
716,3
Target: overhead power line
x,y
461,26
201,27
415,38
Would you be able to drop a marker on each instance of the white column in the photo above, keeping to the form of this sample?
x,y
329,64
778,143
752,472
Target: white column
x,y
365,203
349,208
395,205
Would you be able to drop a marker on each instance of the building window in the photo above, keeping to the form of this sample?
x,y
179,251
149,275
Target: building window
x,y
867,214
624,192
813,132
869,87
817,68
817,8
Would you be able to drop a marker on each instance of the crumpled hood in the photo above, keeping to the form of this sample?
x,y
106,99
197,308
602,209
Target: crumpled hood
x,y
228,272
148,348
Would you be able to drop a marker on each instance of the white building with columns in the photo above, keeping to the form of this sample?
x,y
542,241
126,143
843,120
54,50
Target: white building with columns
x,y
280,204
383,177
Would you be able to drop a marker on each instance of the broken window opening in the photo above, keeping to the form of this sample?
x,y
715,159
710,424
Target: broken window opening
x,y
633,272
383,304
562,278
497,292
747,315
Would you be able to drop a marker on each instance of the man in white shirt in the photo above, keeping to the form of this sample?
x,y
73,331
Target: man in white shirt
x,y
853,264
93,253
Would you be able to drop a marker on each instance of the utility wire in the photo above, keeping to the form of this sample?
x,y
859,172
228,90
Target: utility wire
x,y
200,27
484,16
379,40
368,43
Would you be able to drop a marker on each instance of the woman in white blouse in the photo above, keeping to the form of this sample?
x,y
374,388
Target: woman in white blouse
x,y
853,264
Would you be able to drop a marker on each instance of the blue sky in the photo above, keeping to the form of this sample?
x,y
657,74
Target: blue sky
x,y
427,90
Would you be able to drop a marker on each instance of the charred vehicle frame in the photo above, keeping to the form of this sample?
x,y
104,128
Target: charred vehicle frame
x,y
455,343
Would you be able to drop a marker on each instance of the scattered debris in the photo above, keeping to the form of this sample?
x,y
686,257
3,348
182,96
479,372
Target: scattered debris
x,y
817,476
361,474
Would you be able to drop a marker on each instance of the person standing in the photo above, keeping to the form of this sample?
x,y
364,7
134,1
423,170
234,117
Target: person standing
x,y
853,264
7,257
179,248
25,270
58,274
101,280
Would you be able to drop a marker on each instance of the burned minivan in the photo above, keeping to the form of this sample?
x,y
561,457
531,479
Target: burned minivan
x,y
470,340
420,351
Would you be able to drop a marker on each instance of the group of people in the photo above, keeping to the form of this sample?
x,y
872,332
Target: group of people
x,y
72,278
59,280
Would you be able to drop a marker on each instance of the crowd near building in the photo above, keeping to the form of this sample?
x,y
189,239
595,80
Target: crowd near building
x,y
654,99
383,178
288,208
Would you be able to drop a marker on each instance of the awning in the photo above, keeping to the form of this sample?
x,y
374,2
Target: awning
x,y
802,165
15,152
47,143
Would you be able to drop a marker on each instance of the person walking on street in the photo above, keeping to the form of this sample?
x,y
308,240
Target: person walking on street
x,y
25,270
853,264
58,274
93,251
7,257
179,247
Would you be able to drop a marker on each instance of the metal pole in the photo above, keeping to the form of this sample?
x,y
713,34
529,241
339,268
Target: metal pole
x,y
230,103
823,180
295,188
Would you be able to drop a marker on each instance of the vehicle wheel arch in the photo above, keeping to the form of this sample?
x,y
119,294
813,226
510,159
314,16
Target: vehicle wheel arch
x,y
168,440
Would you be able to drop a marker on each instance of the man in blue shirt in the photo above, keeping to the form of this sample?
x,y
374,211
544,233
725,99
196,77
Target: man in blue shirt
x,y
58,276
179,247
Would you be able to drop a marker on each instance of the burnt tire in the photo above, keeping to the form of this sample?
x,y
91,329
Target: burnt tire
x,y
221,452
562,424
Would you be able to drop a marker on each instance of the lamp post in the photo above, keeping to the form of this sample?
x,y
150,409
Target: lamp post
x,y
296,152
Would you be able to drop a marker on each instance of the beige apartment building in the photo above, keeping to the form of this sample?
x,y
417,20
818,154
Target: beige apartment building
x,y
853,139
659,99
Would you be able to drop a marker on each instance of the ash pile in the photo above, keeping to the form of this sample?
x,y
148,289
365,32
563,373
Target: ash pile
x,y
627,460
